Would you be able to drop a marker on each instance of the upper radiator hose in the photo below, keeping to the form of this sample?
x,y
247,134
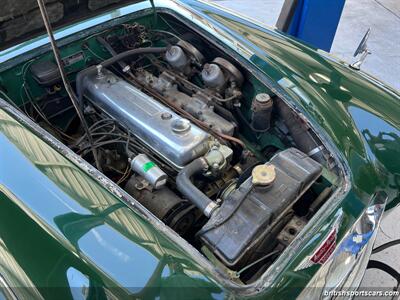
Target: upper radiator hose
x,y
192,193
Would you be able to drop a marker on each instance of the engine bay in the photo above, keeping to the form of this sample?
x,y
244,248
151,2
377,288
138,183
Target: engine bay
x,y
188,131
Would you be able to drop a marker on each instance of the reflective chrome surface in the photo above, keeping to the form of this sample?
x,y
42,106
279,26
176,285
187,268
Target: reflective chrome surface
x,y
145,117
345,267
362,50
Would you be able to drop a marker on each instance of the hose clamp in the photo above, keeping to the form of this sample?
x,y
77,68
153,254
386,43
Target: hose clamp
x,y
210,208
126,69
315,150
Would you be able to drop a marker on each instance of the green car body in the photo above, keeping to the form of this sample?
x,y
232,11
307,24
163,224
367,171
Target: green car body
x,y
67,232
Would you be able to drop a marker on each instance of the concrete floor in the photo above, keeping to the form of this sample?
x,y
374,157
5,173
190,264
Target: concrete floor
x,y
383,16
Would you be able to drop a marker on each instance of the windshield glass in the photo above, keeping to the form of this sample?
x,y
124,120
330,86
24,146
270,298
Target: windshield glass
x,y
21,19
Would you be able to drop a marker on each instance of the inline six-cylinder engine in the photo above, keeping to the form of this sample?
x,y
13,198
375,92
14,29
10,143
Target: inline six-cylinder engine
x,y
239,221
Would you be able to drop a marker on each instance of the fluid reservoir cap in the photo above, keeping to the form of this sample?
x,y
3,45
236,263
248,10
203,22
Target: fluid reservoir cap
x,y
263,175
180,125
263,98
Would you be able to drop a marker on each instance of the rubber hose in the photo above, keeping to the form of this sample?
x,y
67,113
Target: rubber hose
x,y
133,52
248,124
300,134
190,191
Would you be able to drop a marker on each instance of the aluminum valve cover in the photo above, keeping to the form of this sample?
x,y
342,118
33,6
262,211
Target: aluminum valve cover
x,y
175,139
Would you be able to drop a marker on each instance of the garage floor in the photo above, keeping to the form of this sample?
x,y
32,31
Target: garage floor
x,y
383,16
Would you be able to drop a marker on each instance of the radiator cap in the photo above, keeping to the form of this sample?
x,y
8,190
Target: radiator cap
x,y
263,175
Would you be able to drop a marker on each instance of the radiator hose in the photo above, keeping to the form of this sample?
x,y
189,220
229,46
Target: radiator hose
x,y
190,191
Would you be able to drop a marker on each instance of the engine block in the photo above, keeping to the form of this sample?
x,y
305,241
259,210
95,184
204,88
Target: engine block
x,y
176,139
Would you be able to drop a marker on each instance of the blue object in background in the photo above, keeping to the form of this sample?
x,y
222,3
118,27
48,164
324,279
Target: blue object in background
x,y
316,21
